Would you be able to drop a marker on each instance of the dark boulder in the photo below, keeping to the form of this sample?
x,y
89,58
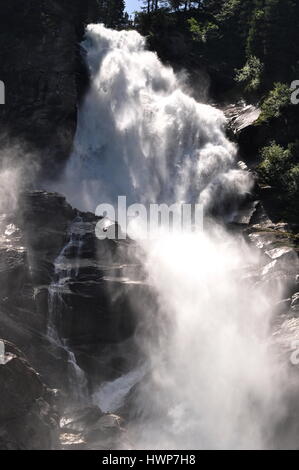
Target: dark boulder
x,y
295,303
90,429
27,416
79,420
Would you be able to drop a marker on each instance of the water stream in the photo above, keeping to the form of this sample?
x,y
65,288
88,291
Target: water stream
x,y
215,382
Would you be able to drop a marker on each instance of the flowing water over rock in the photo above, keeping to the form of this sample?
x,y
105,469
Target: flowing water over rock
x,y
141,136
67,269
111,396
215,379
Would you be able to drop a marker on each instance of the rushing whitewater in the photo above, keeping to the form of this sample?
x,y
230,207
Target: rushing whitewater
x,y
65,270
213,381
141,136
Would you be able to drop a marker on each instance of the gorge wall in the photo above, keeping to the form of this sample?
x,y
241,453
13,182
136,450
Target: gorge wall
x,y
44,75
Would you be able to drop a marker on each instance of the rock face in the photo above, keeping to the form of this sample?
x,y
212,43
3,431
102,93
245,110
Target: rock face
x,y
65,301
27,417
241,124
50,252
240,116
280,249
90,429
29,242
44,75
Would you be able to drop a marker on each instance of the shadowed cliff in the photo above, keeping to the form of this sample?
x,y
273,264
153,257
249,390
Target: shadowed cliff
x,y
44,75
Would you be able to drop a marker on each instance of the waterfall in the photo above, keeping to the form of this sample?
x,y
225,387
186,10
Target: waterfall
x,y
66,268
140,135
215,381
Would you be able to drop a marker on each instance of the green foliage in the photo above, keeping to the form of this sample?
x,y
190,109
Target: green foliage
x,y
276,161
229,9
156,24
273,35
112,13
226,34
280,169
251,74
173,5
203,32
248,48
274,104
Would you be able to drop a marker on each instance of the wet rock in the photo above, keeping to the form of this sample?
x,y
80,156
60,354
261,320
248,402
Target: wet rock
x,y
265,239
240,116
278,243
46,239
106,424
98,280
30,240
79,420
286,253
28,420
245,214
90,429
44,220
287,336
41,65
295,303
269,268
278,277
283,306
279,258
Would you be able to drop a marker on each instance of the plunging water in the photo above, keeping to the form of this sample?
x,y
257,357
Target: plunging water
x,y
67,269
214,382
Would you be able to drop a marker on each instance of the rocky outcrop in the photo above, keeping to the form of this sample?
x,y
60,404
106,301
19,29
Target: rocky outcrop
x,y
50,256
249,128
241,127
44,75
54,250
27,414
29,242
99,290
90,429
278,245
241,115
55,272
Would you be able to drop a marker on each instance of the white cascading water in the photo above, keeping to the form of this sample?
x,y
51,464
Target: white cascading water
x,y
141,136
67,269
215,382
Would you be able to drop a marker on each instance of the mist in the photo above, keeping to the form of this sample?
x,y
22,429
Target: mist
x,y
140,135
213,379
18,170
215,382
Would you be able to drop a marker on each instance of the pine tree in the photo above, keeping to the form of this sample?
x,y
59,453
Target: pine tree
x,y
112,12
273,35
153,5
213,6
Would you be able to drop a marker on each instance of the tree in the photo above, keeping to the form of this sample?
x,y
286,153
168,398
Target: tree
x,y
212,6
172,5
151,5
273,35
112,12
279,168
251,74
